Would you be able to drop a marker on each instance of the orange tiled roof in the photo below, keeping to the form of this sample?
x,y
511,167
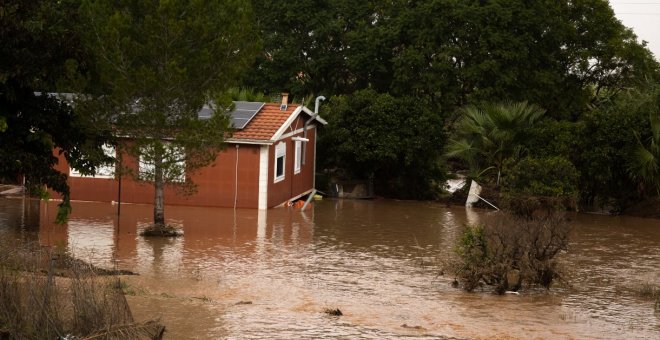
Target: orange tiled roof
x,y
264,125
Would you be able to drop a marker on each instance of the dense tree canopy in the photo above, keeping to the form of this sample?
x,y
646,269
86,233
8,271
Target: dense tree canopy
x,y
158,63
558,54
392,141
38,45
609,142
566,57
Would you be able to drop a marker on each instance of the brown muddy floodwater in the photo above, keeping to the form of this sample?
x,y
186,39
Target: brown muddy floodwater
x,y
377,261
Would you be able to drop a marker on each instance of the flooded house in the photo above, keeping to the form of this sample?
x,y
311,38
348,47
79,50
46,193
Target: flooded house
x,y
270,160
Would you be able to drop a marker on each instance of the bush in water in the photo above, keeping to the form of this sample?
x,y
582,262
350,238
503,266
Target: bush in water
x,y
510,253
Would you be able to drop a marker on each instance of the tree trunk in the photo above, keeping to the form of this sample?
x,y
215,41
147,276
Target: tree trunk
x,y
159,203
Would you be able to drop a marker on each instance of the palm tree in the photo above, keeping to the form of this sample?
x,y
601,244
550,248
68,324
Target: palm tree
x,y
644,167
485,137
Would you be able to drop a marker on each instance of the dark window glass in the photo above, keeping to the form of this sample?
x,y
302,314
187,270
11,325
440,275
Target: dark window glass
x,y
279,169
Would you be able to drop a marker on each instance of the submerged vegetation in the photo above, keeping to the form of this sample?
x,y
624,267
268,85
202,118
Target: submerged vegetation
x,y
648,291
161,231
510,254
333,311
46,294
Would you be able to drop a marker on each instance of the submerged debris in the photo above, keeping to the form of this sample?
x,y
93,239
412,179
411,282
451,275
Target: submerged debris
x,y
412,327
333,312
152,329
203,298
157,230
243,303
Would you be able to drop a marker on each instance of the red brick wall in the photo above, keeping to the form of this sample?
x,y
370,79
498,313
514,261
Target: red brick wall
x,y
215,183
293,184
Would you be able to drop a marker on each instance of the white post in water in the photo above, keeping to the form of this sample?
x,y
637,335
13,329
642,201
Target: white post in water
x,y
473,194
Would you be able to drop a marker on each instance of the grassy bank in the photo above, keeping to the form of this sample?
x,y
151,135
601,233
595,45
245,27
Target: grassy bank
x,y
47,294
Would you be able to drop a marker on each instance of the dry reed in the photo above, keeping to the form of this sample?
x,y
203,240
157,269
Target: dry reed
x,y
47,294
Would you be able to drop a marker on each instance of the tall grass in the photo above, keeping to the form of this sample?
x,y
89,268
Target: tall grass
x,y
46,294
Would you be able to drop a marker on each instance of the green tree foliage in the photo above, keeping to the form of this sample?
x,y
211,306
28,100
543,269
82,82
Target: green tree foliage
x,y
489,135
610,162
38,44
449,53
309,46
553,177
390,140
644,165
534,186
550,137
548,52
158,63
569,57
248,95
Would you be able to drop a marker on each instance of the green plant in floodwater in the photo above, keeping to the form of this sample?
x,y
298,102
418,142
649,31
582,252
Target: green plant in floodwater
x,y
569,316
648,291
510,253
126,288
473,253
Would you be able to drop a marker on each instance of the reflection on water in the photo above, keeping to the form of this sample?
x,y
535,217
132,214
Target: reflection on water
x,y
374,260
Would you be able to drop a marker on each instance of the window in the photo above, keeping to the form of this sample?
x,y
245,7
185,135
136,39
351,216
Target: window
x,y
297,159
174,164
280,157
103,171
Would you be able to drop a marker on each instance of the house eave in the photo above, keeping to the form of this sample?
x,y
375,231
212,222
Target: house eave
x,y
317,118
292,118
250,141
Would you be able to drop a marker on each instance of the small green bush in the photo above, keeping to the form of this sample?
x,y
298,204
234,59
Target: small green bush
x,y
540,184
551,177
474,257
511,253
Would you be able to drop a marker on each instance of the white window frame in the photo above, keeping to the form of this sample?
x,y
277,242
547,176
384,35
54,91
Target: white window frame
x,y
280,151
146,169
297,159
104,170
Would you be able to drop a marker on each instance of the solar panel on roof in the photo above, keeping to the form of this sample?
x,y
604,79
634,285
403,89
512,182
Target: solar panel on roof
x,y
241,115
206,112
244,112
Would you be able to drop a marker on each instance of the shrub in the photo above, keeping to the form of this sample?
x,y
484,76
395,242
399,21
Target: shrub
x,y
540,184
552,177
511,253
